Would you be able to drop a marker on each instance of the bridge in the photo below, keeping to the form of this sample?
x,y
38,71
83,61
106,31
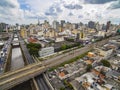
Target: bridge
x,y
15,42
13,78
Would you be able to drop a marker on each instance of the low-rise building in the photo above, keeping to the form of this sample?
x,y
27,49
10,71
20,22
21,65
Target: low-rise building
x,y
32,40
59,39
1,43
40,33
117,42
113,74
46,51
88,81
104,52
101,34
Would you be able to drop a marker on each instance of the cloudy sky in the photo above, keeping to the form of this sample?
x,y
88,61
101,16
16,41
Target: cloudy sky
x,y
29,11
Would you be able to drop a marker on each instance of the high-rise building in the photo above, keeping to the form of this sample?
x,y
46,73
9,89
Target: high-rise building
x,y
75,26
78,37
55,25
97,26
38,22
91,24
103,27
7,27
80,24
108,25
17,27
82,34
62,23
2,27
46,22
23,32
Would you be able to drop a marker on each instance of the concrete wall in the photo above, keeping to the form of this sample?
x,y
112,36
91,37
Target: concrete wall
x,y
24,58
8,59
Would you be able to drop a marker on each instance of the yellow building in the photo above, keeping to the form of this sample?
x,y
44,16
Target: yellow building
x,y
23,33
60,29
75,31
51,33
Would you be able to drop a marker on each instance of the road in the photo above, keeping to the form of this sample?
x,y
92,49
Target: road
x,y
12,74
73,53
42,83
13,78
28,58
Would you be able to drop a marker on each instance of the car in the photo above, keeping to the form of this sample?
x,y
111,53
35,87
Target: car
x,y
2,54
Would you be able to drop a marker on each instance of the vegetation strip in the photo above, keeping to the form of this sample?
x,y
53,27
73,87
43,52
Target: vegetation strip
x,y
70,61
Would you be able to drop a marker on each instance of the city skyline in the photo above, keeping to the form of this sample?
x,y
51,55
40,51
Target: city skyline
x,y
59,45
28,11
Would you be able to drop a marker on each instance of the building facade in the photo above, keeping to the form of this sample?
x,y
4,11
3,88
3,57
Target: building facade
x,y
46,51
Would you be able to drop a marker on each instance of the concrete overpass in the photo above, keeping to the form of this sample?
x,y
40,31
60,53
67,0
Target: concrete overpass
x,y
13,78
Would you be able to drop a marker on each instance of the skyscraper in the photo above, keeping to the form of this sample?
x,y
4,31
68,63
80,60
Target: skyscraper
x,y
62,23
55,25
108,25
91,24
103,27
38,22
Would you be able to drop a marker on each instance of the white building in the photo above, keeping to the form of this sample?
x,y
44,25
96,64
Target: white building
x,y
46,51
55,25
101,33
105,53
59,39
1,43
65,32
40,33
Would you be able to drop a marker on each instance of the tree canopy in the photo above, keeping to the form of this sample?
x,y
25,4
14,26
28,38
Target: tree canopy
x,y
105,63
89,67
33,48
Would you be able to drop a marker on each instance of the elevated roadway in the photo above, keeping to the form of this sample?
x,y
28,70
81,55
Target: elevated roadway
x,y
13,78
39,81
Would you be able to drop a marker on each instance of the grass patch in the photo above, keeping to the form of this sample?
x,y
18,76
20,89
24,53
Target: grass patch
x,y
41,59
64,51
74,48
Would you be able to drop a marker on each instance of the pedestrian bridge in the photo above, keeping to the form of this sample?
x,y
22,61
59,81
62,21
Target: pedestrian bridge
x,y
15,42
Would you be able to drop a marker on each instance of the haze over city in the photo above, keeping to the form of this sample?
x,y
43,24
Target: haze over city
x,y
28,11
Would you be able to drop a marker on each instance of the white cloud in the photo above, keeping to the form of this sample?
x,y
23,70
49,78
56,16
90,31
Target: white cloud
x,y
11,11
39,5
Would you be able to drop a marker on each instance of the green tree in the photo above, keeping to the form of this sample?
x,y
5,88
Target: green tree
x,y
105,63
62,88
89,67
34,51
34,48
70,40
34,45
63,47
